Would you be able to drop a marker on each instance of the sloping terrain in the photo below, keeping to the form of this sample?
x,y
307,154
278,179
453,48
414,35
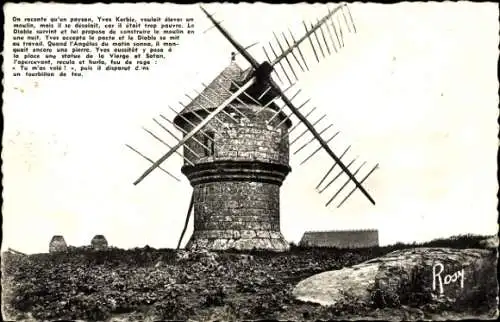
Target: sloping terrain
x,y
150,284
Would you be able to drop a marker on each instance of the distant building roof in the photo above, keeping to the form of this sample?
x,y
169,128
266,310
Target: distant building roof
x,y
341,238
344,231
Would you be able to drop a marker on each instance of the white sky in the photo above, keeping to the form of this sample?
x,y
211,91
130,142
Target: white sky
x,y
415,90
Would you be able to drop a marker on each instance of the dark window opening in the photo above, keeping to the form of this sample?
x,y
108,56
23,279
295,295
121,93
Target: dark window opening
x,y
209,143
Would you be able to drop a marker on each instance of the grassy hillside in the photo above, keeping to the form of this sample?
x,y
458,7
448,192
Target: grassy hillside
x,y
165,284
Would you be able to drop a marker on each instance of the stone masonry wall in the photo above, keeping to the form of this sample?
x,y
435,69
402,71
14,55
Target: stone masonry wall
x,y
237,214
247,207
250,139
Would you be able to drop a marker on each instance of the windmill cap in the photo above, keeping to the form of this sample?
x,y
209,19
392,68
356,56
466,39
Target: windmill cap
x,y
215,93
218,91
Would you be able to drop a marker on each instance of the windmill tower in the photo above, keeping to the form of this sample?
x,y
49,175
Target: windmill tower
x,y
236,141
238,169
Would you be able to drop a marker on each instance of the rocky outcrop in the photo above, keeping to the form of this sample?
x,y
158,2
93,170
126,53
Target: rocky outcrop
x,y
99,242
490,242
417,276
57,244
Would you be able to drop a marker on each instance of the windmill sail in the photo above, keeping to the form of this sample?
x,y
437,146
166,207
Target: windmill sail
x,y
322,142
233,42
256,86
196,129
315,31
315,37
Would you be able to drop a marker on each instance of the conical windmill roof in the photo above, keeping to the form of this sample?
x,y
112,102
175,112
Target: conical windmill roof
x,y
216,92
219,90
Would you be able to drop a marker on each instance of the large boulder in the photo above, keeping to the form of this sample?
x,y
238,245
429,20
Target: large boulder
x,y
415,277
57,244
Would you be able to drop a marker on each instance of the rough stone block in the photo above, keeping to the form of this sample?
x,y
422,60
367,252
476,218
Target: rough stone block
x,y
230,244
275,234
263,234
219,243
245,234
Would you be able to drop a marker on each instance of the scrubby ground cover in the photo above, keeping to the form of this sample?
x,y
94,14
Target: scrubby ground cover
x,y
147,283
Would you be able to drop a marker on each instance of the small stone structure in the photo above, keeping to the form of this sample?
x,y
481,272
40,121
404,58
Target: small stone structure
x,y
57,244
341,238
237,173
99,242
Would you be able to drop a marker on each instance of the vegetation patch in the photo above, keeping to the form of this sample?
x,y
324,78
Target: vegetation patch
x,y
177,285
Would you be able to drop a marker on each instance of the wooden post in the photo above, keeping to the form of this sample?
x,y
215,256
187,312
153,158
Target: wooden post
x,y
187,219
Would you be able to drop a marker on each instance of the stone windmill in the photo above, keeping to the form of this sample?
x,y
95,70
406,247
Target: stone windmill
x,y
236,140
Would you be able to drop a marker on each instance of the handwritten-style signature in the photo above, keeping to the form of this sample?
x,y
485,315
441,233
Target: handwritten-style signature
x,y
439,281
